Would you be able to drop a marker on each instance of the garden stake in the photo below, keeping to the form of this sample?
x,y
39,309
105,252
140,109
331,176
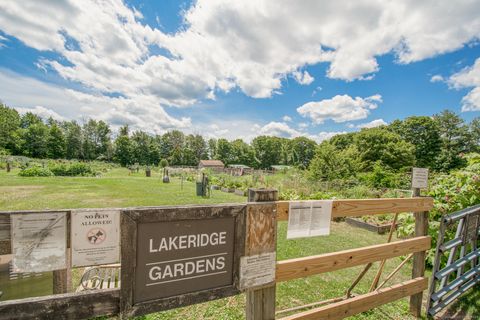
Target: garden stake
x,y
382,264
360,276
395,271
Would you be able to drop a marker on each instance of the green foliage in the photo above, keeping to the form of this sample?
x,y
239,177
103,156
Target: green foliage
x,y
35,171
72,169
381,144
380,177
163,163
9,124
56,143
330,163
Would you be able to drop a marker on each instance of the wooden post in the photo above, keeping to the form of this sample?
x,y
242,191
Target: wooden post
x,y
261,221
421,229
8,167
62,279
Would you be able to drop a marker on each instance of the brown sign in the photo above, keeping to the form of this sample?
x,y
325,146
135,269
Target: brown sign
x,y
176,256
185,256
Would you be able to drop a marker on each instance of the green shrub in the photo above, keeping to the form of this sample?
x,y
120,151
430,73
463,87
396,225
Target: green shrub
x,y
35,172
72,169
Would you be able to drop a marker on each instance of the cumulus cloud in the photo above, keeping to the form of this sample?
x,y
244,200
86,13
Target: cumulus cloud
x,y
436,78
468,78
140,112
43,112
286,118
340,108
324,135
250,45
373,124
279,129
303,78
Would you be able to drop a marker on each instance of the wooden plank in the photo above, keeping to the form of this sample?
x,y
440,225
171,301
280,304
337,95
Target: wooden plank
x,y
421,229
354,208
261,237
84,305
304,267
361,303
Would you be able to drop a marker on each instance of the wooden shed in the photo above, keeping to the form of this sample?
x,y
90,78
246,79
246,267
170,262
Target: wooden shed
x,y
215,165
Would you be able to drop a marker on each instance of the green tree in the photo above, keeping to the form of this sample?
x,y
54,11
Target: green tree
x,y
224,151
302,151
56,142
9,124
455,139
212,148
423,133
73,140
268,151
330,163
242,153
381,144
123,148
35,140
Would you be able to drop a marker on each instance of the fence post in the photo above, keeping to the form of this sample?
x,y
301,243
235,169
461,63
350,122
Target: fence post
x,y
62,279
421,229
261,302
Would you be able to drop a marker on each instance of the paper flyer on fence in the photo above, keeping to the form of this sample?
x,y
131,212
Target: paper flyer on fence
x,y
95,237
309,218
39,241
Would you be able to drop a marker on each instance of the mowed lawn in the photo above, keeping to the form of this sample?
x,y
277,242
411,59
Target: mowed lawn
x,y
118,188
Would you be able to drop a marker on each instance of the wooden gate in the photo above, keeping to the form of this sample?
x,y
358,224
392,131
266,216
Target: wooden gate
x,y
451,277
259,230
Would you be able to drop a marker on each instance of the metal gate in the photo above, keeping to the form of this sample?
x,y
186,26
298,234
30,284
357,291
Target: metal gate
x,y
456,267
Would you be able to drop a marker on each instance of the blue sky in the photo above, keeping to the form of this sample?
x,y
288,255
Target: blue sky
x,y
240,69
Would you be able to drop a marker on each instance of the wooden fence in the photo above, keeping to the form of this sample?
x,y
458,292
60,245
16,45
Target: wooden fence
x,y
260,237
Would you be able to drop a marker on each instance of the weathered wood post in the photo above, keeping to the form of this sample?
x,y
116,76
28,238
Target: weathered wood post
x,y
8,167
421,229
62,279
261,238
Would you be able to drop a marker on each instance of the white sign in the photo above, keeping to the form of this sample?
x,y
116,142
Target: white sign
x,y
95,237
309,218
257,270
39,241
419,178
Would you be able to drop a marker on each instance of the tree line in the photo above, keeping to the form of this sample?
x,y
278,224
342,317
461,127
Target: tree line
x,y
436,142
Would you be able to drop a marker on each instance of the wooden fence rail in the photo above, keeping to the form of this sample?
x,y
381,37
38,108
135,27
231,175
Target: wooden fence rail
x,y
260,230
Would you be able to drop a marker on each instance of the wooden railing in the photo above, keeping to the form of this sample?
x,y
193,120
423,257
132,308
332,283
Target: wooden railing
x,y
261,302
312,265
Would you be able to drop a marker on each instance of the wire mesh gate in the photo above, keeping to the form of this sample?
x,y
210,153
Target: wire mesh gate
x,y
456,266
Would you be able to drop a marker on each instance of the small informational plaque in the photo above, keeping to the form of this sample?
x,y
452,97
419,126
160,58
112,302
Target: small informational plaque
x,y
39,241
309,218
420,178
95,237
257,270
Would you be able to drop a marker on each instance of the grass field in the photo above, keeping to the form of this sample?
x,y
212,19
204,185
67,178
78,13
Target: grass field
x,y
119,189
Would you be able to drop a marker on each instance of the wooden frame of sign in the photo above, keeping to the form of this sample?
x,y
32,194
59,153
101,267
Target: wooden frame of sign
x,y
150,226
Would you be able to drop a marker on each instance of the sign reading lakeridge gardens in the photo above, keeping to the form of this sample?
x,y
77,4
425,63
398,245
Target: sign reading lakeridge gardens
x,y
183,256
180,255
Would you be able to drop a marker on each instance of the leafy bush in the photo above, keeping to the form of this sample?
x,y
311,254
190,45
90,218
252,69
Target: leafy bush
x,y
35,172
72,169
451,192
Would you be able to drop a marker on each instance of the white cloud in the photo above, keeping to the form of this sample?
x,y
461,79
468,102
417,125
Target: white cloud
x,y
468,78
286,118
322,136
340,108
140,112
279,129
436,78
43,112
250,45
373,124
303,78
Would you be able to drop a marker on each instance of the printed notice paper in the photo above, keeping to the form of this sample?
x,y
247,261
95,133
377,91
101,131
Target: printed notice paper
x,y
39,241
309,218
419,178
257,270
95,237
